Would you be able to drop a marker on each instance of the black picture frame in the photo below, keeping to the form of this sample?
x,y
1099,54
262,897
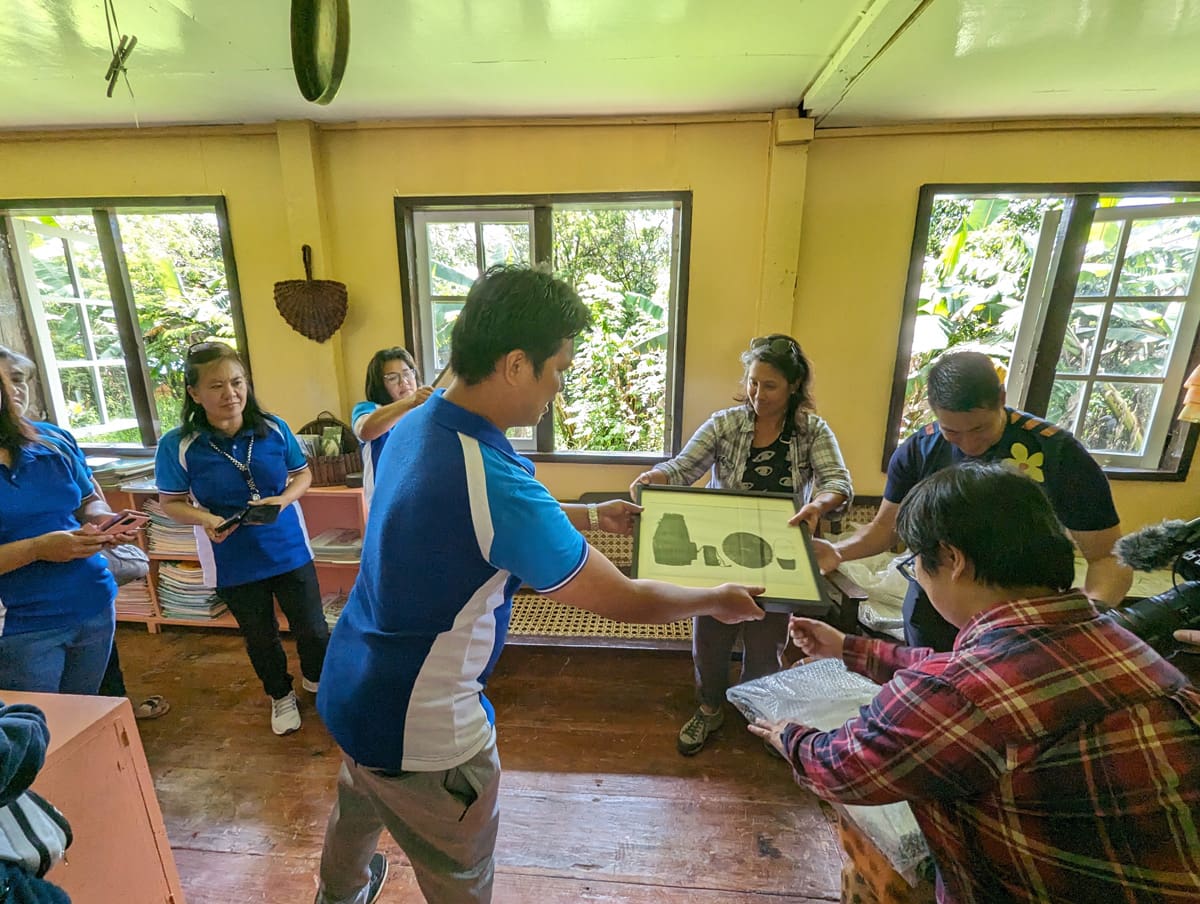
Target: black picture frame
x,y
741,537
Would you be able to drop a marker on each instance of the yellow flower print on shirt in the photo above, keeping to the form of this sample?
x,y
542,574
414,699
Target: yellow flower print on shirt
x,y
1023,462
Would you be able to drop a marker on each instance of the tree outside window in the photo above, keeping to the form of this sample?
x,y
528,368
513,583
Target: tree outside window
x,y
621,256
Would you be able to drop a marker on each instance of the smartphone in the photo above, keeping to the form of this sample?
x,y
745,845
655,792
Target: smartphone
x,y
251,514
235,518
123,521
260,514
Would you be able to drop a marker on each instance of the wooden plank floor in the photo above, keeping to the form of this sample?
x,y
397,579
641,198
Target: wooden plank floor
x,y
596,805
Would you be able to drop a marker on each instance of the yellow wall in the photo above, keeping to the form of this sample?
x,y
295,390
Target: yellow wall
x,y
292,375
859,212
334,186
725,165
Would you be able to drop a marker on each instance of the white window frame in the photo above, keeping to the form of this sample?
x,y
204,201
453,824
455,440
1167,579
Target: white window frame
x,y
1168,448
51,367
105,212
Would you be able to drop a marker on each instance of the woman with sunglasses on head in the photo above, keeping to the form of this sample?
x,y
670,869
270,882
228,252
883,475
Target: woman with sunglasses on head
x,y
56,593
393,390
227,457
772,443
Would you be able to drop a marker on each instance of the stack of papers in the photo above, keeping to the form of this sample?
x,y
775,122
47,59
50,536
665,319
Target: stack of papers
x,y
139,484
182,594
134,599
113,472
338,544
167,537
332,604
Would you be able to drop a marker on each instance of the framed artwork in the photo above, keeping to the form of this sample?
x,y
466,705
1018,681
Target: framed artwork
x,y
700,537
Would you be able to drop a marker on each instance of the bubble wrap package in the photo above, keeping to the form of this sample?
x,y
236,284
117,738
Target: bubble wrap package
x,y
826,696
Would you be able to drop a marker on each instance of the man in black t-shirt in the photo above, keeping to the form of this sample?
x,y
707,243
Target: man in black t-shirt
x,y
974,424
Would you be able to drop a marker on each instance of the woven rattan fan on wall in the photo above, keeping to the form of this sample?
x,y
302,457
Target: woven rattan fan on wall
x,y
312,307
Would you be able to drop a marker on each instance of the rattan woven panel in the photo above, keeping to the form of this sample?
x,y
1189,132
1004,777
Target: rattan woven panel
x,y
536,616
617,548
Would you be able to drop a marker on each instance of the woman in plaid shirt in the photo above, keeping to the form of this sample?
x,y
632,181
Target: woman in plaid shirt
x,y
1051,755
772,443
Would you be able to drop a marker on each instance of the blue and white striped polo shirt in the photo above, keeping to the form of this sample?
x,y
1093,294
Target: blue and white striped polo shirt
x,y
457,523
190,464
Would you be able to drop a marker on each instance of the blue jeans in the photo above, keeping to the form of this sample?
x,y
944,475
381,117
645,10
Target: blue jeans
x,y
60,660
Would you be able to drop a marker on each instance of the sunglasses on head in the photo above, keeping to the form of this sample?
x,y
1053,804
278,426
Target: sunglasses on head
x,y
208,346
777,346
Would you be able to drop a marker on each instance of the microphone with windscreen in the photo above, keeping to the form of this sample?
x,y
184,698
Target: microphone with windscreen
x,y
1161,545
1174,544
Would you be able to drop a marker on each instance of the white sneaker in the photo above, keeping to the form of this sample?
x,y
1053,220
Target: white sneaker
x,y
285,714
310,686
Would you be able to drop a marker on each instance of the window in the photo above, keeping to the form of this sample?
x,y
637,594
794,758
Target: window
x,y
1084,296
626,257
113,294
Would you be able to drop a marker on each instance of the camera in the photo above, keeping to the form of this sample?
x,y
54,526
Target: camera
x,y
1156,618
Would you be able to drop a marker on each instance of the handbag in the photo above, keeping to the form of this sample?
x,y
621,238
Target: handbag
x,y
127,562
33,834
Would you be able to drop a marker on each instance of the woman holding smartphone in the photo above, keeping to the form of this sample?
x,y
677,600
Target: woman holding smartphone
x,y
227,456
125,561
393,390
56,593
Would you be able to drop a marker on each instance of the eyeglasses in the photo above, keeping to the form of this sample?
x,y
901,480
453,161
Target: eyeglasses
x,y
400,376
905,567
208,346
777,346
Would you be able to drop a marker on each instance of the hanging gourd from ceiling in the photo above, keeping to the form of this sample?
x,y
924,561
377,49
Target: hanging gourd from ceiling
x,y
320,46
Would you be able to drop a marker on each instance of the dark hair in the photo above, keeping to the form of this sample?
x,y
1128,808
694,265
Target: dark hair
x,y
15,430
375,388
786,356
999,519
193,419
511,308
964,381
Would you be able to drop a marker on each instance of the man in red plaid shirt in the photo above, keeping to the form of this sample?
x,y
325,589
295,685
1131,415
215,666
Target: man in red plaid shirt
x,y
1051,755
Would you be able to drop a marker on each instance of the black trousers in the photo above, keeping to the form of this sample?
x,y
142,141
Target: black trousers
x,y
113,682
253,605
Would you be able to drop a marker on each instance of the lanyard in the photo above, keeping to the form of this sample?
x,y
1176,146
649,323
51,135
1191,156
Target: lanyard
x,y
243,469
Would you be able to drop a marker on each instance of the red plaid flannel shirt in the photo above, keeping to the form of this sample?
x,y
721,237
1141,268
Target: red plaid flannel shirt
x,y
1051,756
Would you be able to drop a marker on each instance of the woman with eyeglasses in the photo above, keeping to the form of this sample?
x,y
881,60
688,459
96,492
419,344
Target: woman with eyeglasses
x,y
56,593
393,390
771,443
226,457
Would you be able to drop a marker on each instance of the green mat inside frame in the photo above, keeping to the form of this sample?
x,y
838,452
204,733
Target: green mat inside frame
x,y
535,616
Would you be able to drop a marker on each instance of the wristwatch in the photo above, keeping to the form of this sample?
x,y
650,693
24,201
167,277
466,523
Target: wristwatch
x,y
593,517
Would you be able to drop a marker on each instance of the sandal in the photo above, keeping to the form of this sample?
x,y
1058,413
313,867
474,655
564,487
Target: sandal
x,y
151,708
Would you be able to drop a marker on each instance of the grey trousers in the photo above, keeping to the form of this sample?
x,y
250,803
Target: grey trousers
x,y
712,645
445,822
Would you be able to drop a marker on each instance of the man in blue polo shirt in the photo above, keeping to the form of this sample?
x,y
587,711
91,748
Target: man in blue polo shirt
x,y
457,523
974,424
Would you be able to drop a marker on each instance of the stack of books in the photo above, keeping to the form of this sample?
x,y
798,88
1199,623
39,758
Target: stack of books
x,y
167,537
134,599
338,544
115,472
332,604
182,593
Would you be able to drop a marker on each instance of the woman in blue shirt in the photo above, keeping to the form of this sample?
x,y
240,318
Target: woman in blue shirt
x,y
392,391
56,593
226,455
21,372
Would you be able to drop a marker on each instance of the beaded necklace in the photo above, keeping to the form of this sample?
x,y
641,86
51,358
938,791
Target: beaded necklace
x,y
243,469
